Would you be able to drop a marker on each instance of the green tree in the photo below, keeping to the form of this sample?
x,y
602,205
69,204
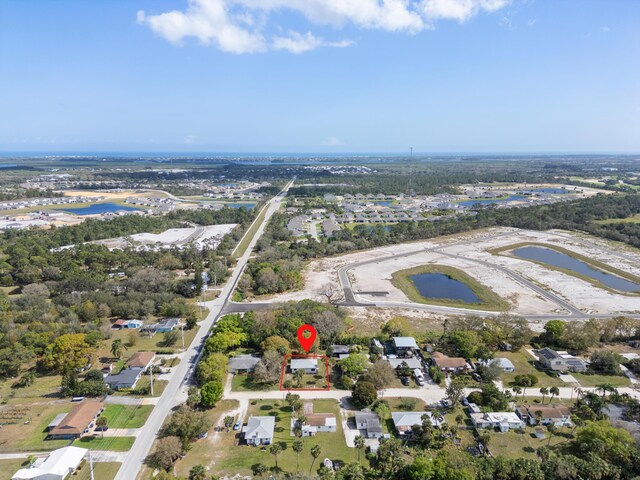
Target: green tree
x,y
297,447
198,472
354,364
364,394
359,443
455,392
315,453
544,391
117,348
69,350
554,391
275,450
211,393
167,451
102,422
212,368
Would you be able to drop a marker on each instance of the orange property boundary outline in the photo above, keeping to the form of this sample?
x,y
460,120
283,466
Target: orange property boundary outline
x,y
284,369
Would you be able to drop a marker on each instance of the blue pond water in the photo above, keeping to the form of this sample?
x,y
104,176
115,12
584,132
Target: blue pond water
x,y
441,286
489,201
550,190
99,208
248,206
383,204
561,260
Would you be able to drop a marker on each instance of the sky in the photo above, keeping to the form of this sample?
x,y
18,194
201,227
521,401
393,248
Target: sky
x,y
325,76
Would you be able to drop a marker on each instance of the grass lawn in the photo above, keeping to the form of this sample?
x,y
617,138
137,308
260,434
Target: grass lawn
x,y
126,416
488,299
101,471
514,444
200,452
394,404
242,382
158,387
144,343
632,219
319,380
595,380
30,436
231,459
116,444
523,362
9,467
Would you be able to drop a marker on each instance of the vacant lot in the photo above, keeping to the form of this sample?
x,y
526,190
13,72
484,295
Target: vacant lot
x,y
126,416
96,442
28,433
9,467
101,471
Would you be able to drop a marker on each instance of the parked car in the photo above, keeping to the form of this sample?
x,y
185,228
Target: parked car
x,y
405,381
237,425
465,401
445,403
203,435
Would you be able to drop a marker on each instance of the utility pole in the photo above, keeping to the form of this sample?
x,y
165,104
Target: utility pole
x,y
151,378
182,331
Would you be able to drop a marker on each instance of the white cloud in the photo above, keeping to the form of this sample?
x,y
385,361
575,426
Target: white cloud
x,y
190,139
299,43
237,26
332,141
605,29
460,10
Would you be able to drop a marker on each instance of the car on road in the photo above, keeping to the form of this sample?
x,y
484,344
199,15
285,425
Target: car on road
x,y
237,425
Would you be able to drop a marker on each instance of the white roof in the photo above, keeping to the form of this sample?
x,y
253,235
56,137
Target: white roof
x,y
58,463
300,363
502,362
405,342
496,417
409,419
259,427
411,362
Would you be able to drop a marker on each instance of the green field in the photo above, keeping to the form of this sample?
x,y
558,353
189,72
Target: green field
x,y
523,363
101,471
249,234
508,250
242,382
126,416
488,299
633,219
116,444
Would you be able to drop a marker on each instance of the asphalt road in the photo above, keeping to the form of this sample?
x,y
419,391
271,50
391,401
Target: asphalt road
x,y
176,390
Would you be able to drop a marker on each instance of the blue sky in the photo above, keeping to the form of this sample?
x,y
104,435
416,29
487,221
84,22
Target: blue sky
x,y
320,75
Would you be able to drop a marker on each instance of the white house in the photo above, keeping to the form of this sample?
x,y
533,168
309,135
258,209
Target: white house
x,y
59,465
505,421
503,363
259,430
317,423
309,365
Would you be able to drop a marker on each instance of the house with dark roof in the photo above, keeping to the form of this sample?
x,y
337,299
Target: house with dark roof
x,y
560,361
450,364
337,350
127,378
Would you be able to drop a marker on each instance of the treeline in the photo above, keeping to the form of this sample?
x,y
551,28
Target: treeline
x,y
28,193
93,229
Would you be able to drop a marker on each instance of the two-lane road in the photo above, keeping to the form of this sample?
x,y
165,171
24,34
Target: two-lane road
x,y
176,389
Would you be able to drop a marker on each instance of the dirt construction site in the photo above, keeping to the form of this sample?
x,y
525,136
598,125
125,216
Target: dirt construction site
x,y
531,290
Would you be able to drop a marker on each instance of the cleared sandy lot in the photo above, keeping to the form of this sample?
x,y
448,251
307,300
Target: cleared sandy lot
x,y
471,254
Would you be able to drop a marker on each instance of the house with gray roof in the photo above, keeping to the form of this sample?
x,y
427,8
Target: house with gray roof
x,y
405,345
369,422
309,365
560,361
127,378
243,363
259,430
404,421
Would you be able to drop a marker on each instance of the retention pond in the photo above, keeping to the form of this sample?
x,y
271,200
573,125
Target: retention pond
x,y
442,287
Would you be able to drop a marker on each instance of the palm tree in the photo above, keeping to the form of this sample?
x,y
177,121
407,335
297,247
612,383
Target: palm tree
x,y
538,414
274,450
315,453
553,391
544,391
359,443
485,438
102,423
517,391
297,446
117,347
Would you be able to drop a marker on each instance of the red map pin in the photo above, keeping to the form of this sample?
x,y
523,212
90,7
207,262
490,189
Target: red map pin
x,y
307,341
